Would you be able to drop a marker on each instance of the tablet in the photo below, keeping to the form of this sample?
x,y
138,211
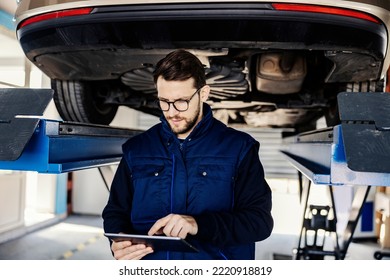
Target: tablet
x,y
157,242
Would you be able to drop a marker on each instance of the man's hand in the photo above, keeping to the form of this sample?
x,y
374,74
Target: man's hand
x,y
175,225
124,250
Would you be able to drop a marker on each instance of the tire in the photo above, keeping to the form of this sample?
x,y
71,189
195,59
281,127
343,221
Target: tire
x,y
369,86
82,102
332,116
378,255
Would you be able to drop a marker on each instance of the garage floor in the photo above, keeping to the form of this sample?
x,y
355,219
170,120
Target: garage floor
x,y
80,237
77,237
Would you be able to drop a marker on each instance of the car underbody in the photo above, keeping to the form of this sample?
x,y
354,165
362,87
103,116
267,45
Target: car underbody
x,y
266,68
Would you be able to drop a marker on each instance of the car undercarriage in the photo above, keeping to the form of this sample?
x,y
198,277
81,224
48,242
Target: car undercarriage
x,y
265,67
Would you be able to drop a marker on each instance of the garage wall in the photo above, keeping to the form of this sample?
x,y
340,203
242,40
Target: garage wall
x,y
12,200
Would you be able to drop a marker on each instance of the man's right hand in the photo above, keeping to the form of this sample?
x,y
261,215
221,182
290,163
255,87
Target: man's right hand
x,y
124,250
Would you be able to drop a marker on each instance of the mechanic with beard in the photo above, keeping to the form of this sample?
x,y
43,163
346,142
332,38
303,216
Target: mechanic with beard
x,y
189,176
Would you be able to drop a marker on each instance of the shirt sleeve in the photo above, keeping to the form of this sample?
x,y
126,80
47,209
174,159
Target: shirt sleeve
x,y
250,219
117,213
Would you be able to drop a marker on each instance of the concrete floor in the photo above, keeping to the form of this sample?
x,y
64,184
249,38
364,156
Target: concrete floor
x,y
80,237
77,237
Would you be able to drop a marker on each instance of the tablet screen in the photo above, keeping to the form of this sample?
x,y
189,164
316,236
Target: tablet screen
x,y
157,242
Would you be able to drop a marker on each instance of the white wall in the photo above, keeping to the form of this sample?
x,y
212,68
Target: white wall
x,y
89,194
12,200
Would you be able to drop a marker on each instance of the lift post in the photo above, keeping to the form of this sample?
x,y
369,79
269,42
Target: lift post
x,y
354,153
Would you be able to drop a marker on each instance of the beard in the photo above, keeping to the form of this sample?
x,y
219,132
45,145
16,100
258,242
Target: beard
x,y
186,123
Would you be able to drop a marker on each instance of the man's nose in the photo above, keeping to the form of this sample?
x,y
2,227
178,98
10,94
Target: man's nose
x,y
172,110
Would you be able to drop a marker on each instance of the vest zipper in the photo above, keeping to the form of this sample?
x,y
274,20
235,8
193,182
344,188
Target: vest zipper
x,y
172,183
172,180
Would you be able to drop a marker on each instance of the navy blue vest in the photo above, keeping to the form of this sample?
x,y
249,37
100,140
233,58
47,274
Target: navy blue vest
x,y
189,177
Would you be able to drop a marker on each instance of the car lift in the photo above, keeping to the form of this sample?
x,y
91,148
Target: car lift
x,y
30,143
354,153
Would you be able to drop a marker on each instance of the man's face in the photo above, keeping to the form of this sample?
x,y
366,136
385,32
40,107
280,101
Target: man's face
x,y
182,123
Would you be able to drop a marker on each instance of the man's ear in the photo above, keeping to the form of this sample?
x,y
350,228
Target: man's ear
x,y
204,93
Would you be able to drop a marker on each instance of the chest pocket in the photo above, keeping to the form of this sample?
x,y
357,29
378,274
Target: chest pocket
x,y
145,171
216,172
213,186
151,195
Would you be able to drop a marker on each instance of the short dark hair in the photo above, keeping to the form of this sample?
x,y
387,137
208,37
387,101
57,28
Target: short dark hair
x,y
180,65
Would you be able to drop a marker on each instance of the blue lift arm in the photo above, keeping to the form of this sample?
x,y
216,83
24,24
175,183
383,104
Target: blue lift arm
x,y
30,143
57,147
356,152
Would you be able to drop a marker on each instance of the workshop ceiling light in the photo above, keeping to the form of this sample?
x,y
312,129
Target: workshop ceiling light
x,y
324,10
54,15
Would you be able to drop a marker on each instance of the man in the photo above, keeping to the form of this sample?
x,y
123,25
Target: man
x,y
189,176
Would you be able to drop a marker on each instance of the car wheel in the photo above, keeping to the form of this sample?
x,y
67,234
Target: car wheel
x,y
332,113
83,102
378,255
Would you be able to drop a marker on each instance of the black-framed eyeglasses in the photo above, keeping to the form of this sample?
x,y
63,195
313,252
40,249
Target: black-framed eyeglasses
x,y
180,105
